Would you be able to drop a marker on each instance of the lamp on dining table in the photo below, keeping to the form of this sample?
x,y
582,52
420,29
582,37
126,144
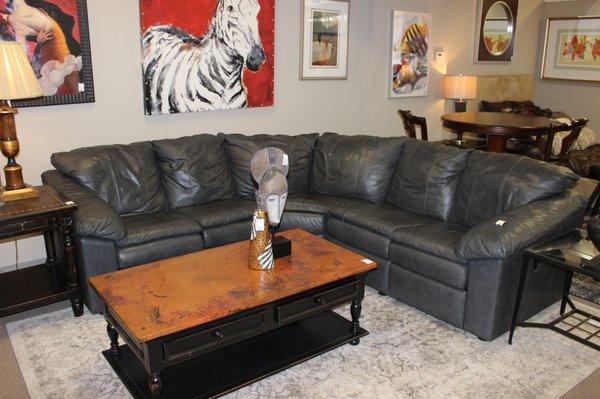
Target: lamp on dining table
x,y
460,88
17,82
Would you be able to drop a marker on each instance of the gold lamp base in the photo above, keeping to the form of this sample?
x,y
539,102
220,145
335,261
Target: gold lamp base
x,y
15,195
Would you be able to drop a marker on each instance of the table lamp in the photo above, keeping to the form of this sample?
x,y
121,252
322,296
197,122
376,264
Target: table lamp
x,y
17,81
460,88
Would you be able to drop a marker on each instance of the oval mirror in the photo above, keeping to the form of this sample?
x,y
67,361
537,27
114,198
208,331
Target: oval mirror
x,y
498,28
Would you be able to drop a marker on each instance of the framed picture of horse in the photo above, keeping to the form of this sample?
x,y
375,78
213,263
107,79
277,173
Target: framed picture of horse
x,y
572,49
207,55
55,36
324,49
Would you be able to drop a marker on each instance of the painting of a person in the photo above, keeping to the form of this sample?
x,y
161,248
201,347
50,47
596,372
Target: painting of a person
x,y
56,56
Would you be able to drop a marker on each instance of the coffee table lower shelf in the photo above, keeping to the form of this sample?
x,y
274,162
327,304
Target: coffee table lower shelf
x,y
244,363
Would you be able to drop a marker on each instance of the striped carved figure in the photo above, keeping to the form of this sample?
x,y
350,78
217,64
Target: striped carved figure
x,y
183,73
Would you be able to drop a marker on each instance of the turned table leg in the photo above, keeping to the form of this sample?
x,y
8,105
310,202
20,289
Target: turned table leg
x,y
113,334
50,248
356,308
155,384
66,228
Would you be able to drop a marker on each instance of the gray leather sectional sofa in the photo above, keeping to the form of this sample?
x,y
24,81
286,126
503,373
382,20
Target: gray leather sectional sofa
x,y
447,226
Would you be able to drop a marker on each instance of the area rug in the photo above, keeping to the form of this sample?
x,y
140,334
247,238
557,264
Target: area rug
x,y
408,354
586,287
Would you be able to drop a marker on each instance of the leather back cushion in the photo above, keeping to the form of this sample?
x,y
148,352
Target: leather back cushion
x,y
494,183
194,169
355,166
426,178
240,150
125,176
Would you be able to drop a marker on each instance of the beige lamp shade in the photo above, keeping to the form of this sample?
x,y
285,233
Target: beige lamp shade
x,y
460,87
17,79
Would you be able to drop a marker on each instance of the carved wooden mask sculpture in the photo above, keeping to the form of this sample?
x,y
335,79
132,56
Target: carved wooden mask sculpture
x,y
269,168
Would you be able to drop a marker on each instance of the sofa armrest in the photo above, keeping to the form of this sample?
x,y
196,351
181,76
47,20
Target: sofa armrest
x,y
524,226
94,217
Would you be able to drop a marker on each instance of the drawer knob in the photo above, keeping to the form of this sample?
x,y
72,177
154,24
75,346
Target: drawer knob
x,y
320,300
218,334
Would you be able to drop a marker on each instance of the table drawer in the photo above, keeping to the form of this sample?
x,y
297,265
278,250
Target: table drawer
x,y
212,338
316,302
24,225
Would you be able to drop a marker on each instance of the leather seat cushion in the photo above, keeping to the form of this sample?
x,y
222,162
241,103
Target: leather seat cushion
x,y
240,150
314,223
427,264
355,166
316,203
382,219
155,226
219,213
493,183
140,254
194,169
426,178
358,237
439,239
125,176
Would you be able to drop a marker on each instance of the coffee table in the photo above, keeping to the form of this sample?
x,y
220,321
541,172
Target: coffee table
x,y
204,324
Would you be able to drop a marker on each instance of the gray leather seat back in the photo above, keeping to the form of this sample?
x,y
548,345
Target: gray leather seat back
x,y
355,166
125,176
240,150
493,183
194,169
426,178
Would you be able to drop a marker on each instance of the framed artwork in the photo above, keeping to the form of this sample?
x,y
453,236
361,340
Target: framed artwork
x,y
572,49
207,55
324,48
55,36
496,30
409,73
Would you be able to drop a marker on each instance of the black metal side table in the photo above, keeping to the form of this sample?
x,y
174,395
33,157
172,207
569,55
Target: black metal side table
x,y
572,253
55,280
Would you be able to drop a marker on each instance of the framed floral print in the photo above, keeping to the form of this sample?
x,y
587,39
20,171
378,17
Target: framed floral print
x,y
55,36
572,49
324,50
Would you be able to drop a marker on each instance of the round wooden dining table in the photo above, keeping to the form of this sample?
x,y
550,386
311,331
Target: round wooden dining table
x,y
497,126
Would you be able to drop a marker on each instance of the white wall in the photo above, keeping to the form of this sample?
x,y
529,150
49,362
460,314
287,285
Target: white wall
x,y
358,105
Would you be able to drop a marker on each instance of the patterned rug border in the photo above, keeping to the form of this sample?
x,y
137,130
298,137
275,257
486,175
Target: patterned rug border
x,y
425,362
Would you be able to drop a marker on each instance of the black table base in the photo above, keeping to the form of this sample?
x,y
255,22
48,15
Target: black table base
x,y
232,367
582,318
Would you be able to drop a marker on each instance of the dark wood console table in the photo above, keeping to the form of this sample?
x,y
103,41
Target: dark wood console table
x,y
497,126
56,279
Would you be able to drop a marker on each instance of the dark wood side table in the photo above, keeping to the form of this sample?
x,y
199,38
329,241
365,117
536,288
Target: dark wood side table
x,y
55,280
497,126
571,252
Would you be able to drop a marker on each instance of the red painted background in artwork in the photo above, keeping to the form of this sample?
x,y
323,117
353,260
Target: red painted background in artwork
x,y
194,17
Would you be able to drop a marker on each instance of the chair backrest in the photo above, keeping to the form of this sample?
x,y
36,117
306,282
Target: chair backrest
x,y
567,142
410,122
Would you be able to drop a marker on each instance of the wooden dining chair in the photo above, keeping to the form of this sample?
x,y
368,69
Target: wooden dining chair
x,y
411,122
544,143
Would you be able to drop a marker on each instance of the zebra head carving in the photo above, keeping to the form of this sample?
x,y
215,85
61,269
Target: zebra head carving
x,y
236,24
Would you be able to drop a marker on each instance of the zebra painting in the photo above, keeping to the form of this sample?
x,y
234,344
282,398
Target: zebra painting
x,y
184,73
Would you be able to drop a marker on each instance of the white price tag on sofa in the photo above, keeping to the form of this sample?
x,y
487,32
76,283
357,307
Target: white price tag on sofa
x,y
500,223
286,160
